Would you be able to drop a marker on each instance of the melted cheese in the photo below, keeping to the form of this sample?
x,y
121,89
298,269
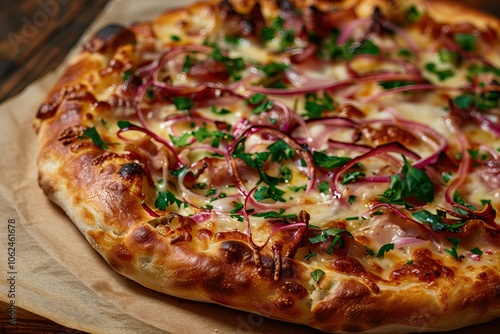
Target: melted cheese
x,y
428,108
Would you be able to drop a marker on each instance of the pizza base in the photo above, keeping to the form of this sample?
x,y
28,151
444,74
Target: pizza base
x,y
102,193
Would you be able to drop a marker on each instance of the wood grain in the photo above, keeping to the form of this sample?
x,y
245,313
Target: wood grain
x,y
30,323
37,35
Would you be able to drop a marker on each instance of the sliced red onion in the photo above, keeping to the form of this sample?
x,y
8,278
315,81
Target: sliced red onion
x,y
409,88
485,123
150,211
159,139
386,148
464,166
424,132
406,241
301,152
410,44
349,28
405,66
333,144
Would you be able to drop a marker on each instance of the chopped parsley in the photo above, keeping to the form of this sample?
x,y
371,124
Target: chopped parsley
x,y
395,84
234,40
485,201
280,150
474,153
182,140
369,251
331,232
452,57
466,41
476,251
441,74
485,101
287,36
436,222
317,274
384,249
260,103
446,177
188,63
329,161
412,14
298,188
92,134
453,252
476,69
126,75
274,68
309,255
412,182
316,105
458,199
166,198
270,192
405,53
352,199
183,103
210,192
274,214
124,124
324,187
233,65
351,177
222,111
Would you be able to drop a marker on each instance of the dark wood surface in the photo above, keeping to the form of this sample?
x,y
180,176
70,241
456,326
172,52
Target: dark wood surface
x,y
35,36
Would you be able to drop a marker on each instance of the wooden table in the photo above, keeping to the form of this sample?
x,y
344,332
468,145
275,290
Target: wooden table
x,y
35,36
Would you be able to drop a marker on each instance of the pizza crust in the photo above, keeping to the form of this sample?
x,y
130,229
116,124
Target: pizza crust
x,y
103,194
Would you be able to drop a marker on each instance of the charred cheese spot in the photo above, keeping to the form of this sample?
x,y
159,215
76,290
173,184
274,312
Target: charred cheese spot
x,y
349,111
109,38
424,268
352,266
131,170
236,252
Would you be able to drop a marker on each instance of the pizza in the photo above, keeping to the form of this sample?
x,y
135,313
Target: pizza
x,y
328,163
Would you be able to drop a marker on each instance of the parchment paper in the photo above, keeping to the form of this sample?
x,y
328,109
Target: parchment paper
x,y
58,275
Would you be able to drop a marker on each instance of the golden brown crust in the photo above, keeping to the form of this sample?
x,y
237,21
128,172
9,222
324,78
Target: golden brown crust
x,y
104,192
452,12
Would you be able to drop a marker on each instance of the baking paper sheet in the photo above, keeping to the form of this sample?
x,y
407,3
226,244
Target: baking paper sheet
x,y
57,274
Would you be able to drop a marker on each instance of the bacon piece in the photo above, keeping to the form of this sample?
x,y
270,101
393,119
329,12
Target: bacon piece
x,y
109,38
388,134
